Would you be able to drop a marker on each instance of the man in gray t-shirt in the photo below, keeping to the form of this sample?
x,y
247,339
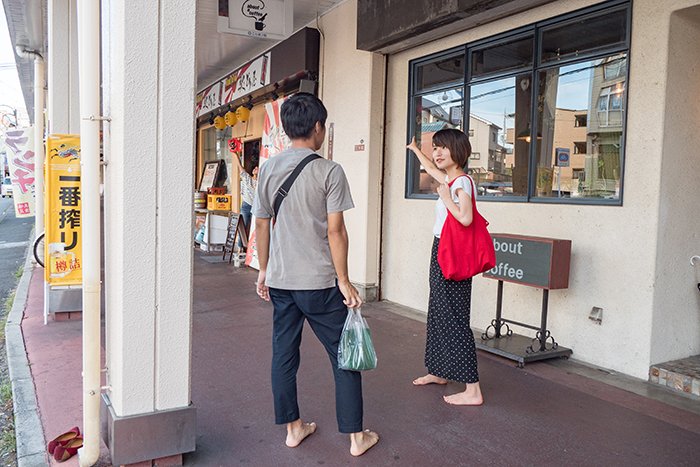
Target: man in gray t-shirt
x,y
300,255
303,258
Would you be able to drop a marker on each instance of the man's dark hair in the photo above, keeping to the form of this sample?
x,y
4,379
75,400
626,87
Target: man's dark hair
x,y
457,142
300,114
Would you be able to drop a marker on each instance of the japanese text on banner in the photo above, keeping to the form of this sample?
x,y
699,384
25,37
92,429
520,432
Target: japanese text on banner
x,y
20,161
63,246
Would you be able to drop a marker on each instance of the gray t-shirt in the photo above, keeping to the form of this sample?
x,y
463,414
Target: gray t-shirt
x,y
300,256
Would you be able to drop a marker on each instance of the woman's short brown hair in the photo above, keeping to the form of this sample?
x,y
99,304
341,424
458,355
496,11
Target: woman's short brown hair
x,y
457,142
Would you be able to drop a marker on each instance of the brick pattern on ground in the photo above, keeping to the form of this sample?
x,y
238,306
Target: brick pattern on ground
x,y
679,375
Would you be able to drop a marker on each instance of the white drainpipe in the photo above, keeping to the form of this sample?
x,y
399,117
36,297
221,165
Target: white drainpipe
x,y
39,103
39,151
90,121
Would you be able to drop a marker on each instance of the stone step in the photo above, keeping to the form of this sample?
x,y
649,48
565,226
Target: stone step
x,y
678,375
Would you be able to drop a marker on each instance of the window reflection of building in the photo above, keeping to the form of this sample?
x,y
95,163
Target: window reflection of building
x,y
484,138
603,169
591,135
572,137
437,103
434,117
505,171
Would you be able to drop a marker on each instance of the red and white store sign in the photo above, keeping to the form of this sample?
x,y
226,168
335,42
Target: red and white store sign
x,y
248,78
209,99
274,141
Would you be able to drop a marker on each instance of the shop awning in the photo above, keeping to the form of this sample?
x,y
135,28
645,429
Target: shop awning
x,y
26,22
218,54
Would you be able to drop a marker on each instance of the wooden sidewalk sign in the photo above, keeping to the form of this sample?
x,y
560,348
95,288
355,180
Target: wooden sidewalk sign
x,y
235,229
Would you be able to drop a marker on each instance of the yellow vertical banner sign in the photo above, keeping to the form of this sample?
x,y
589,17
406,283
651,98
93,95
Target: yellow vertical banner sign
x,y
62,241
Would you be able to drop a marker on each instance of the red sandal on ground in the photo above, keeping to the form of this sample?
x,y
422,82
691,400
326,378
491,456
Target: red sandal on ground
x,y
63,439
63,452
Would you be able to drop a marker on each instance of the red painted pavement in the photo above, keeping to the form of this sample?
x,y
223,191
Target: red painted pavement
x,y
55,358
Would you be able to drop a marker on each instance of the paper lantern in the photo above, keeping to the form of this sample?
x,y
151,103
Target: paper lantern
x,y
219,123
242,114
235,145
230,118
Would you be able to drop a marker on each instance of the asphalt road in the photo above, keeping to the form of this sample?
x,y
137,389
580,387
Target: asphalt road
x,y
14,239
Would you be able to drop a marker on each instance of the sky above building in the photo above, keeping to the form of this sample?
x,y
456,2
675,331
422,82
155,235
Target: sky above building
x,y
10,90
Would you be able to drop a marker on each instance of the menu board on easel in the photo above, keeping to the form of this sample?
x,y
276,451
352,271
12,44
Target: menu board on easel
x,y
235,229
209,175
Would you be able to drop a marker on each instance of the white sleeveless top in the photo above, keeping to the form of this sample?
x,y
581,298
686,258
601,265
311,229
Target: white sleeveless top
x,y
462,182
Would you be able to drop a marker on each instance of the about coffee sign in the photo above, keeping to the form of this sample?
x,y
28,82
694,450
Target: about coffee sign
x,y
536,261
265,19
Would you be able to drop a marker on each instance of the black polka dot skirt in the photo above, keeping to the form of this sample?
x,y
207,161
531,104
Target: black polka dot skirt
x,y
450,352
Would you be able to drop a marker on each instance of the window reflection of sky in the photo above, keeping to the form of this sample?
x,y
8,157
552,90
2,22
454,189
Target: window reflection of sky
x,y
575,86
495,100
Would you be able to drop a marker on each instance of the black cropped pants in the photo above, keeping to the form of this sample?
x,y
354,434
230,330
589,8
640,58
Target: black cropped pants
x,y
326,313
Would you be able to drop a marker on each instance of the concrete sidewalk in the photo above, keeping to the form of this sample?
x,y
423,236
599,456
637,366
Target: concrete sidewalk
x,y
543,414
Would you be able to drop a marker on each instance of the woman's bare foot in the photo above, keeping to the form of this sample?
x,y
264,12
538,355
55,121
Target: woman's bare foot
x,y
297,431
361,441
470,396
428,379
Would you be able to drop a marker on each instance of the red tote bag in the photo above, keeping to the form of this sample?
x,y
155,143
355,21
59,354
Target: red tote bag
x,y
464,252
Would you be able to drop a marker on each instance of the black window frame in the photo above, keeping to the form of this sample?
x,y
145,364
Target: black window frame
x,y
412,163
536,30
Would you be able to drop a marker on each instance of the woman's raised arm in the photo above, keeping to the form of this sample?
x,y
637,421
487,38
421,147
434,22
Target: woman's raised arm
x,y
426,162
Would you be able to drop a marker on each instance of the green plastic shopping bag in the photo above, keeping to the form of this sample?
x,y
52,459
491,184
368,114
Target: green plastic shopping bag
x,y
355,350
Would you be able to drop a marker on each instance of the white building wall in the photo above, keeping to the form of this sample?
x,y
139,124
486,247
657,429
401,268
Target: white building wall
x,y
175,167
352,89
676,320
614,248
480,144
148,202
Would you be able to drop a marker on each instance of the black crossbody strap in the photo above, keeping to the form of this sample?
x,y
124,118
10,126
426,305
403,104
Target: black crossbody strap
x,y
287,185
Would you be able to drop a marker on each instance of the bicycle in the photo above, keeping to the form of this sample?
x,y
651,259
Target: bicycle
x,y
39,249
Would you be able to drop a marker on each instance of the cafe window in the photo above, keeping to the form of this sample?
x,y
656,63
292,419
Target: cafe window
x,y
546,103
442,72
506,101
579,86
509,55
438,104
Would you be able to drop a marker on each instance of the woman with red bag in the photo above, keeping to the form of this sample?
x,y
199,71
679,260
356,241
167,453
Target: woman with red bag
x,y
450,353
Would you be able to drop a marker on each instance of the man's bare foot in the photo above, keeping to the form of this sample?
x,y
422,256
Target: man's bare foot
x,y
361,441
428,379
470,396
297,431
